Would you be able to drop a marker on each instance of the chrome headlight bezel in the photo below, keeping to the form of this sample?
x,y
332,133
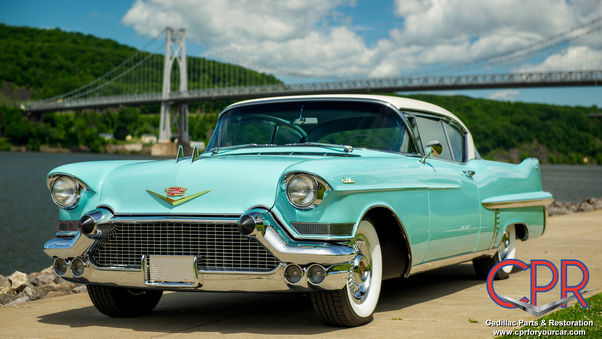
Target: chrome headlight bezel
x,y
73,201
317,184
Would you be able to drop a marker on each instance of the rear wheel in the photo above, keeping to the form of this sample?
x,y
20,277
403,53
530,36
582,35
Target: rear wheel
x,y
122,302
507,250
355,303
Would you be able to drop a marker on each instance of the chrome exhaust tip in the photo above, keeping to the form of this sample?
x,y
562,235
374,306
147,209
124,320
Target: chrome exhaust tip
x,y
293,274
316,274
77,267
60,266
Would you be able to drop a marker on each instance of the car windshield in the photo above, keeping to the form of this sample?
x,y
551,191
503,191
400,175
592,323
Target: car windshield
x,y
356,124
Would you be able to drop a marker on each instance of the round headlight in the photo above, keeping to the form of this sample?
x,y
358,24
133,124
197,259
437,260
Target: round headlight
x,y
65,192
302,190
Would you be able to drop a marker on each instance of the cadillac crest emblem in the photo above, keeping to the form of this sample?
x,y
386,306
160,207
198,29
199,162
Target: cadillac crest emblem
x,y
175,191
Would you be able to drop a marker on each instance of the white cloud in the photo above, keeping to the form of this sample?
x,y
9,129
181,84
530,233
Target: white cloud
x,y
575,59
315,37
505,95
222,21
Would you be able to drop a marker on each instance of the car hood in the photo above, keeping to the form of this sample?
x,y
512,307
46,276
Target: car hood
x,y
230,185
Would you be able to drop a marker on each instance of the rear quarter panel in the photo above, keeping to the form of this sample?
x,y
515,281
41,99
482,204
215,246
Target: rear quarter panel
x,y
496,179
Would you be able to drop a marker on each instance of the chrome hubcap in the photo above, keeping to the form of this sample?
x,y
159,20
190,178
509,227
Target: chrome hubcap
x,y
361,274
504,246
503,250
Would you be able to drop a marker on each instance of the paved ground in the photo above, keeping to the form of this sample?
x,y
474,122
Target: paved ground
x,y
432,304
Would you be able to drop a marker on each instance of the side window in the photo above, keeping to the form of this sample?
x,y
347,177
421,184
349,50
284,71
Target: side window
x,y
432,129
406,145
456,140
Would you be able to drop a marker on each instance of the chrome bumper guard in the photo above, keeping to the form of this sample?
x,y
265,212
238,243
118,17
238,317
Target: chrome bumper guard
x,y
335,258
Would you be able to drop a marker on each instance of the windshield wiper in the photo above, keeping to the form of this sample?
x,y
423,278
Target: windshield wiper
x,y
346,148
216,150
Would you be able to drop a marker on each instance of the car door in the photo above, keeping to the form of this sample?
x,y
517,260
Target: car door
x,y
453,199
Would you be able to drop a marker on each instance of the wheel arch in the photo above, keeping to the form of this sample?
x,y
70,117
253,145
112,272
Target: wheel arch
x,y
522,231
395,244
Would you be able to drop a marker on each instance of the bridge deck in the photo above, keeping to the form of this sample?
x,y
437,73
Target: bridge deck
x,y
382,85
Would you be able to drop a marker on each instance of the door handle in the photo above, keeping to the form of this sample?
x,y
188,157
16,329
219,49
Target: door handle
x,y
469,173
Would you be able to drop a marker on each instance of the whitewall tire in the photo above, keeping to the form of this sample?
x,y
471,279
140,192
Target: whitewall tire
x,y
355,303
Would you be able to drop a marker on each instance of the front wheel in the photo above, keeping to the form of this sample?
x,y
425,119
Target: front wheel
x,y
122,302
507,250
355,303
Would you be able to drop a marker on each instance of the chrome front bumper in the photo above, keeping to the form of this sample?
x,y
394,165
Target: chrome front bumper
x,y
335,258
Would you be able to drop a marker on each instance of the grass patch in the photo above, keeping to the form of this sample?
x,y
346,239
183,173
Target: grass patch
x,y
472,321
572,313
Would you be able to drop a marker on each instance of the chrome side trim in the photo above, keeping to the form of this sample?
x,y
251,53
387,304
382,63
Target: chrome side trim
x,y
450,261
518,203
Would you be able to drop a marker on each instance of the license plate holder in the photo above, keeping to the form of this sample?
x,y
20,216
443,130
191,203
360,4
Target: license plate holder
x,y
171,270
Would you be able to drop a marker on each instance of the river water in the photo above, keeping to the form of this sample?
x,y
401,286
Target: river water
x,y
28,216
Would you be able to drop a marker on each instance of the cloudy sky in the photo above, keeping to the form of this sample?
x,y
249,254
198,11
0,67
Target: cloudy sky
x,y
327,39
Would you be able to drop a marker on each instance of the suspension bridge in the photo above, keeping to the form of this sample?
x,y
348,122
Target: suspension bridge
x,y
174,80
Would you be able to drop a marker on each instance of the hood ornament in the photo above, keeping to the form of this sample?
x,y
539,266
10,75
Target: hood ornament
x,y
175,191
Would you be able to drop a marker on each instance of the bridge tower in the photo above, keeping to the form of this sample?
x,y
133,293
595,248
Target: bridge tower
x,y
175,50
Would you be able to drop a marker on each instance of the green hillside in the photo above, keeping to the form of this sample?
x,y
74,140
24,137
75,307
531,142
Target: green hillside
x,y
37,63
513,131
42,63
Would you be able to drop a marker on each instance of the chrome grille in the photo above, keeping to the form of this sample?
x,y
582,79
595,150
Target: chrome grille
x,y
220,247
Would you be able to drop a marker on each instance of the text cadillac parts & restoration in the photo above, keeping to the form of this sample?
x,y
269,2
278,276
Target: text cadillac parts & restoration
x,y
327,194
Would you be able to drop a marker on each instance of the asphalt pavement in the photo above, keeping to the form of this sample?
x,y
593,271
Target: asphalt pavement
x,y
449,302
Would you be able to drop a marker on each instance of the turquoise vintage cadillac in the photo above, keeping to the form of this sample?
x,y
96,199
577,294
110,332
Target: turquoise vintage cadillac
x,y
322,194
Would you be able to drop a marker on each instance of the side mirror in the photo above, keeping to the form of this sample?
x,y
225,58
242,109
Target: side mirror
x,y
434,148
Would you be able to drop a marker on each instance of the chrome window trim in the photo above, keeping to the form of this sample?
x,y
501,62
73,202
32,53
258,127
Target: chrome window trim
x,y
445,119
464,141
449,145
